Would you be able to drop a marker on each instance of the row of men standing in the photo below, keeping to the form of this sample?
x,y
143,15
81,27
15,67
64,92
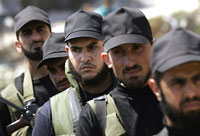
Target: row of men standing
x,y
100,56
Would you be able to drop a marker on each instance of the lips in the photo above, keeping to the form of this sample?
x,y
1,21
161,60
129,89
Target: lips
x,y
87,68
133,72
192,105
63,85
37,44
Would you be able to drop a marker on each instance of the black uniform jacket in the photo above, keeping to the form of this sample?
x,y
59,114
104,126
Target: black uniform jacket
x,y
139,110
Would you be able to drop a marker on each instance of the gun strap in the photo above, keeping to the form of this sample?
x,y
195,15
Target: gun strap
x,y
101,112
28,87
75,107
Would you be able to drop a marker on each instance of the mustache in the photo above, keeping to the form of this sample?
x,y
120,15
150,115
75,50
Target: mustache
x,y
61,82
127,69
195,98
87,64
35,42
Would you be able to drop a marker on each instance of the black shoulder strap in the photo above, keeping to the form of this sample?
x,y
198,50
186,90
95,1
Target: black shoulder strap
x,y
19,83
75,108
101,112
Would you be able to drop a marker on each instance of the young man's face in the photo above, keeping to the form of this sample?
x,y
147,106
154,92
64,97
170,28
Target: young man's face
x,y
31,38
180,94
85,60
130,63
56,68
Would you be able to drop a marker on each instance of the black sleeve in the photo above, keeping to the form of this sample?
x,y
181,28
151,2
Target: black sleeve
x,y
43,125
5,119
88,125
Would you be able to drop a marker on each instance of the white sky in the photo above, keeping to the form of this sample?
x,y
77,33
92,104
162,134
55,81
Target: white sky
x,y
167,7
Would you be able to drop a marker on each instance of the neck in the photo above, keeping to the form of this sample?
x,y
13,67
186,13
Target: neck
x,y
98,87
36,73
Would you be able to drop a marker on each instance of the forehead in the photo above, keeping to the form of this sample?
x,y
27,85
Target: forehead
x,y
183,70
82,42
33,24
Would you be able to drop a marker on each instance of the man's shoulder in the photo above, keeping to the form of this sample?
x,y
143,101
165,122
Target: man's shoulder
x,y
45,109
61,94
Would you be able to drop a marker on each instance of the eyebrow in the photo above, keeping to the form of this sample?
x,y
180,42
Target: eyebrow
x,y
76,46
91,44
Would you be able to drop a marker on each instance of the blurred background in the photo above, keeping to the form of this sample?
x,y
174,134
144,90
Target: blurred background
x,y
162,14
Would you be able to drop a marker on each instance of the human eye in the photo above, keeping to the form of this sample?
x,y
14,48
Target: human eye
x,y
27,32
51,71
137,47
75,49
117,51
92,47
177,82
196,79
41,29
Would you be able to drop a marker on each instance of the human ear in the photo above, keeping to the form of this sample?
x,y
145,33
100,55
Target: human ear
x,y
154,87
18,47
67,48
106,59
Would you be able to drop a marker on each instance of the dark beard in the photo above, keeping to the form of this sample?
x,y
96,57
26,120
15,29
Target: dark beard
x,y
190,120
36,56
87,82
135,82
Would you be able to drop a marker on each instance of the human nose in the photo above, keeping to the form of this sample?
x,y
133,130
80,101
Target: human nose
x,y
191,90
61,75
86,56
130,60
36,36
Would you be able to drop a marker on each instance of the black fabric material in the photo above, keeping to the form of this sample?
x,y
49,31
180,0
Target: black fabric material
x,y
170,131
139,110
101,114
4,119
43,125
28,14
125,25
43,90
174,48
83,24
19,83
53,47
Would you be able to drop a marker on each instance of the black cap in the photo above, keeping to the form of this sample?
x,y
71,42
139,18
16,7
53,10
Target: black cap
x,y
125,25
53,48
83,24
30,13
174,48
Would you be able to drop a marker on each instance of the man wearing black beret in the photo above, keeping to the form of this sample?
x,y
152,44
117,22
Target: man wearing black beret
x,y
130,109
34,87
175,66
87,73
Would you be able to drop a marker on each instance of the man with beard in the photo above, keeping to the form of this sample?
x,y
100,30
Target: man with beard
x,y
88,75
33,87
131,108
175,65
